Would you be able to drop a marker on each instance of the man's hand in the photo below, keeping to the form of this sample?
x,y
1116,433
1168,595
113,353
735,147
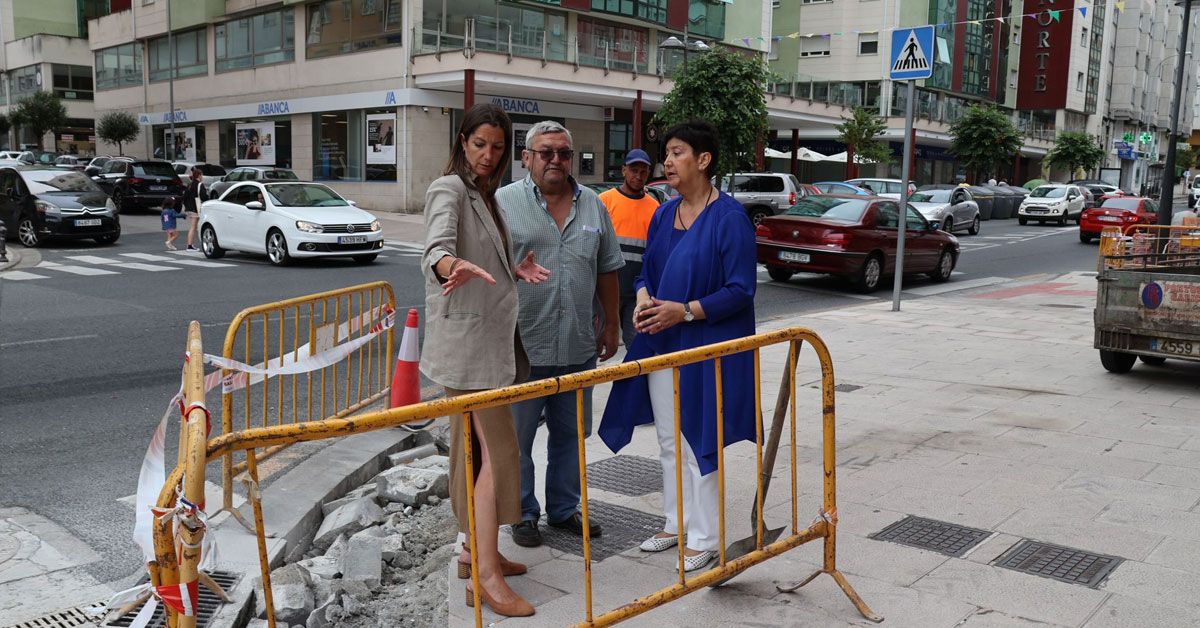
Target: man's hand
x,y
531,271
606,344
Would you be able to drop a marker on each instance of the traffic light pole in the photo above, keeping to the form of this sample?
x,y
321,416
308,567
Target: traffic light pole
x,y
1167,197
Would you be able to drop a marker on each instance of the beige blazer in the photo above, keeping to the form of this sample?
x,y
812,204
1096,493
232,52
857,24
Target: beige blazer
x,y
471,336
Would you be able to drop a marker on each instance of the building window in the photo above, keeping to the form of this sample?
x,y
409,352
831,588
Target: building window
x,y
621,47
354,145
619,138
191,55
228,141
119,66
816,1
262,39
868,44
72,82
649,10
337,27
814,46
1079,81
1083,41
772,51
23,82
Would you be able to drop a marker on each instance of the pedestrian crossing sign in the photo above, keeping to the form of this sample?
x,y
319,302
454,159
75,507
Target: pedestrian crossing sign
x,y
912,53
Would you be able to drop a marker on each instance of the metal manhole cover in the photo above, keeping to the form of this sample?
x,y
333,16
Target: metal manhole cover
x,y
847,387
208,604
1060,563
624,529
62,619
937,536
1064,305
626,475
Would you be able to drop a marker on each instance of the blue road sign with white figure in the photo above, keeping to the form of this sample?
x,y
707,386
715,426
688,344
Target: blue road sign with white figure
x,y
912,53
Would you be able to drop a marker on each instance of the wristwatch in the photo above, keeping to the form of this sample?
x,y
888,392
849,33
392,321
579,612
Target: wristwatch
x,y
688,316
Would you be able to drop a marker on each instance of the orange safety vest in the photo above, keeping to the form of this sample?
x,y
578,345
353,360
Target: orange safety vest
x,y
631,221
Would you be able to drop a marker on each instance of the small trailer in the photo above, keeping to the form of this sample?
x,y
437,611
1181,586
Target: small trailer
x,y
1148,297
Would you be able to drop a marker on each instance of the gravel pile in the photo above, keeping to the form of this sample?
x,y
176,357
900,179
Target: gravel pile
x,y
379,557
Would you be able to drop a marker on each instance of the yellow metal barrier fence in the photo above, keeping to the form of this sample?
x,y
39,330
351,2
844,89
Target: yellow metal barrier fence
x,y
286,332
190,471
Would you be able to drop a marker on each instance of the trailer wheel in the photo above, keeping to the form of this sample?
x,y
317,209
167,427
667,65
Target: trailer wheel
x,y
1117,362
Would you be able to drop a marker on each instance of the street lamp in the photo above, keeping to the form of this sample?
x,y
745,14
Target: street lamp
x,y
673,43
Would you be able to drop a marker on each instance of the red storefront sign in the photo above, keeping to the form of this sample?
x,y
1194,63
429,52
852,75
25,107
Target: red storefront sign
x,y
1045,54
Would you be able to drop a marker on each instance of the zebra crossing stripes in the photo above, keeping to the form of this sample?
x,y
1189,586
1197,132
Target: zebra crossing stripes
x,y
20,275
150,257
75,270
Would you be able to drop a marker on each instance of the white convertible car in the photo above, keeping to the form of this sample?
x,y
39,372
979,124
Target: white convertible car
x,y
288,220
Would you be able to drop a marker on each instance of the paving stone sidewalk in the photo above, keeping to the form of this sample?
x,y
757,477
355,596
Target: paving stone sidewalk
x,y
987,409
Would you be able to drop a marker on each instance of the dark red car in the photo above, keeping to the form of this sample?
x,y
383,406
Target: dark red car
x,y
1121,211
852,237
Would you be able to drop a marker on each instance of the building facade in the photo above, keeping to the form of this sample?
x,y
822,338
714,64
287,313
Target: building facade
x,y
45,48
366,94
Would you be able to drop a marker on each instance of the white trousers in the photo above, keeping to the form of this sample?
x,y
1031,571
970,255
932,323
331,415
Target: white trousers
x,y
700,493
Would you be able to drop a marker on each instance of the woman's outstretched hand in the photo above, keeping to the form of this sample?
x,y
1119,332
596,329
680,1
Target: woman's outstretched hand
x,y
464,271
531,271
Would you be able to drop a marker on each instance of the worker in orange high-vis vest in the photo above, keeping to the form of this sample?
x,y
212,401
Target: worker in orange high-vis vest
x,y
631,210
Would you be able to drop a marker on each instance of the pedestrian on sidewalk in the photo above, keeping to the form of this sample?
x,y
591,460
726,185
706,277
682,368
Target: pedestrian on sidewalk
x,y
568,228
168,221
195,193
630,208
696,288
471,337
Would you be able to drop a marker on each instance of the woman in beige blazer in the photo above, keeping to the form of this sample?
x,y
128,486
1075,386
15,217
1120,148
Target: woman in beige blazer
x,y
471,338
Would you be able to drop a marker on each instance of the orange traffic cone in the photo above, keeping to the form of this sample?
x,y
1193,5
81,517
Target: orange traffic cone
x,y
406,380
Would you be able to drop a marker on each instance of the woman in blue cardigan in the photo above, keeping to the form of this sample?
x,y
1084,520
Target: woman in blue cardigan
x,y
696,288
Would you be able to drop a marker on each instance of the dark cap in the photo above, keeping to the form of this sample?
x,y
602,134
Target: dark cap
x,y
637,155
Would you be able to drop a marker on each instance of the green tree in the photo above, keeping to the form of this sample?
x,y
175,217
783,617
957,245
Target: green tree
x,y
1185,157
1076,150
984,139
40,112
118,127
858,133
5,124
726,89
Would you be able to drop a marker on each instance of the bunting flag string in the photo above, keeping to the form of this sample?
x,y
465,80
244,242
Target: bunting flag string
x,y
1054,14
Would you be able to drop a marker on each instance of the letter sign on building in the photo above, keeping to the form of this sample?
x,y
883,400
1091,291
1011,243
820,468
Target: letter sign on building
x,y
1046,47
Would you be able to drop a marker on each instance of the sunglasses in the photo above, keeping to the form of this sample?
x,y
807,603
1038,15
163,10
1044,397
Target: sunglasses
x,y
564,154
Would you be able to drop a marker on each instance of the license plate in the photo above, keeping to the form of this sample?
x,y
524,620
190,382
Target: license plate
x,y
158,188
791,256
1177,347
1109,219
1033,210
351,239
94,222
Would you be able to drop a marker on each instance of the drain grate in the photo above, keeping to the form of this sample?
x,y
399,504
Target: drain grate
x,y
937,536
624,529
1060,563
208,604
1064,305
66,618
847,387
626,475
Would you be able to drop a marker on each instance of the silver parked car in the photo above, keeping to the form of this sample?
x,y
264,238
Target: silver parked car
x,y
763,193
953,209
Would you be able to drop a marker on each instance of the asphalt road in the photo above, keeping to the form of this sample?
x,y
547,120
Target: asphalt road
x,y
88,362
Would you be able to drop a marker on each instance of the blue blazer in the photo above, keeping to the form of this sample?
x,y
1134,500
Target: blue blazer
x,y
715,263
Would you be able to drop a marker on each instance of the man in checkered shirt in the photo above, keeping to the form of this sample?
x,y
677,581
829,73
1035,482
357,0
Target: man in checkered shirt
x,y
570,233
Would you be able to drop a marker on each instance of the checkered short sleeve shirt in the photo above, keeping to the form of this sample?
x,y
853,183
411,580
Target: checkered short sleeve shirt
x,y
555,317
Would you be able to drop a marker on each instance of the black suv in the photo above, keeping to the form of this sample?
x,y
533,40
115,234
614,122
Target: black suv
x,y
40,202
139,184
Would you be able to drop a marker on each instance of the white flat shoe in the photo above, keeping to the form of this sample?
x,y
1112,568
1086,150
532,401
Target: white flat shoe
x,y
692,563
658,544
